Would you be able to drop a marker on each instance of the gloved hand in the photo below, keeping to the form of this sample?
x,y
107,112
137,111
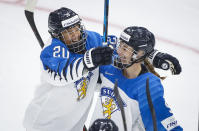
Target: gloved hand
x,y
97,56
165,61
103,125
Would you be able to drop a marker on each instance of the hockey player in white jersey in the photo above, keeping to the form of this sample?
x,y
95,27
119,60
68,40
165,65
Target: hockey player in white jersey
x,y
62,101
135,46
69,76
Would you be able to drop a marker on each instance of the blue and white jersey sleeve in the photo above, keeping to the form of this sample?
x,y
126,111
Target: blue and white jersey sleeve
x,y
93,40
60,66
164,117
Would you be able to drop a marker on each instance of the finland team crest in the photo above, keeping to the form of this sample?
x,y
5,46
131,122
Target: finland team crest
x,y
109,102
82,85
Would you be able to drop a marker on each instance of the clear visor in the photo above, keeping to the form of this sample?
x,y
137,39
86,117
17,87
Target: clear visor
x,y
125,55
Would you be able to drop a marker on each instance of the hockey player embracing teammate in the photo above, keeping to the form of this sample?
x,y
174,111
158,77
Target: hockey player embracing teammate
x,y
70,70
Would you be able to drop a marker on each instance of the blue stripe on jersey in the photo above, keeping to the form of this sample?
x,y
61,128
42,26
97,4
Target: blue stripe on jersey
x,y
136,89
65,70
71,68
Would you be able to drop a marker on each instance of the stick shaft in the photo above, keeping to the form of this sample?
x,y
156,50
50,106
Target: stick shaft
x,y
106,12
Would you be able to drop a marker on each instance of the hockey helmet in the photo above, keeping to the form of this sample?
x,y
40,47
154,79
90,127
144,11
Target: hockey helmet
x,y
139,39
63,19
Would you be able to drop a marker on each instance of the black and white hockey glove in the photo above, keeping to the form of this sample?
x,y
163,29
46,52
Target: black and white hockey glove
x,y
165,61
103,125
98,56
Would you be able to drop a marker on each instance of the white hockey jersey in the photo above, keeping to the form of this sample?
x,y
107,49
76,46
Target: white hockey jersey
x,y
107,107
135,103
62,108
62,100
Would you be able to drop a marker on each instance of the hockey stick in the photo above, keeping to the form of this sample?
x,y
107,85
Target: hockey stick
x,y
29,13
120,103
151,105
105,35
105,28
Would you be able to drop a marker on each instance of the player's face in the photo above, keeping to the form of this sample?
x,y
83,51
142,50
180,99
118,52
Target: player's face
x,y
71,35
125,52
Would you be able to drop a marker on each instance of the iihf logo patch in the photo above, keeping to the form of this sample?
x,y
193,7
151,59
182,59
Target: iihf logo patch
x,y
109,102
82,85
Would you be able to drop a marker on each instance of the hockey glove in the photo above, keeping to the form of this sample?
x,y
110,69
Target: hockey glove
x,y
97,56
103,125
165,61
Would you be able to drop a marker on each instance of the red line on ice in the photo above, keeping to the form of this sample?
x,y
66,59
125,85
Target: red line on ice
x,y
21,3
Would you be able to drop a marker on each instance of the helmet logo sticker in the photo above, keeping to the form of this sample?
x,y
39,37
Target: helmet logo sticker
x,y
71,21
125,36
67,14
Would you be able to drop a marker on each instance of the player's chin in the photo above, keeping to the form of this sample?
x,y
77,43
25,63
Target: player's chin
x,y
124,61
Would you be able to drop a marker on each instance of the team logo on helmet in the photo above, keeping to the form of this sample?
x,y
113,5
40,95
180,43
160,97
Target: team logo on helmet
x,y
67,14
109,102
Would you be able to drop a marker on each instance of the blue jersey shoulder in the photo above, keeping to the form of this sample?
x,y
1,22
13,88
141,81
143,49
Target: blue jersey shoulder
x,y
55,49
57,57
93,40
59,50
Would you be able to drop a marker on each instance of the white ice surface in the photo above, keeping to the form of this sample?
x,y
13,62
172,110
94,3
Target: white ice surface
x,y
174,22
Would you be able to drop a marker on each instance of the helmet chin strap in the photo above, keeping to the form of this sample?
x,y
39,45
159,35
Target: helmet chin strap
x,y
134,60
